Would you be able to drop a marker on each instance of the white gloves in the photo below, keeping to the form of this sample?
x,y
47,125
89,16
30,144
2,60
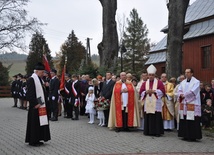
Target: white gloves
x,y
53,98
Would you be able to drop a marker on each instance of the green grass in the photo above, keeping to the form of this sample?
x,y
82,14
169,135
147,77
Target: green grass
x,y
17,67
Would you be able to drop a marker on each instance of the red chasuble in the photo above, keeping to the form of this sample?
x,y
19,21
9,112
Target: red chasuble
x,y
119,105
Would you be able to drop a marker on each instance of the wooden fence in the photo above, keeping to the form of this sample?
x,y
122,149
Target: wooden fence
x,y
5,91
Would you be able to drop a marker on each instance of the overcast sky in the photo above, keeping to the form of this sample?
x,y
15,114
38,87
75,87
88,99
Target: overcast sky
x,y
85,18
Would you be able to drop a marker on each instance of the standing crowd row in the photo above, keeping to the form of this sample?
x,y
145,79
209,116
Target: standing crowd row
x,y
153,104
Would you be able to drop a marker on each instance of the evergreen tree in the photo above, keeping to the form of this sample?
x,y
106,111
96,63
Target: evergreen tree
x,y
90,69
75,52
136,43
4,75
38,47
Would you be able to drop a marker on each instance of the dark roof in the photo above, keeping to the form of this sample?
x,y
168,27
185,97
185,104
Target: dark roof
x,y
161,45
198,10
200,29
156,58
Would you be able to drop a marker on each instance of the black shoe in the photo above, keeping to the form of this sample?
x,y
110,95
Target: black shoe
x,y
192,140
127,130
75,118
33,144
14,106
117,130
158,135
40,143
54,119
36,144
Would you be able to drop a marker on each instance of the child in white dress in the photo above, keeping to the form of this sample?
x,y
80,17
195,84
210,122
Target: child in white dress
x,y
101,117
100,114
89,108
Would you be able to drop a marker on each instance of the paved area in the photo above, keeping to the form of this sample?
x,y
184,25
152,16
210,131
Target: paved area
x,y
80,138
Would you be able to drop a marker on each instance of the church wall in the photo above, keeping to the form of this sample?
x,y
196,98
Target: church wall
x,y
192,57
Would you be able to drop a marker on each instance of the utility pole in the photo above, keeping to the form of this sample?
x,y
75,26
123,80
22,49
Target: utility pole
x,y
88,50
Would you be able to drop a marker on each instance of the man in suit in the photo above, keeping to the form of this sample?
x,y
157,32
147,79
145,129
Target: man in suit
x,y
67,97
106,93
75,95
53,94
83,92
19,89
14,90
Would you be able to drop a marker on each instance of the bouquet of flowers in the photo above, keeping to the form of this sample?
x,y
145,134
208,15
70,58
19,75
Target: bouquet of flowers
x,y
102,104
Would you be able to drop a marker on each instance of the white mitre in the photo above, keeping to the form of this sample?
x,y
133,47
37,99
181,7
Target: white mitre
x,y
151,69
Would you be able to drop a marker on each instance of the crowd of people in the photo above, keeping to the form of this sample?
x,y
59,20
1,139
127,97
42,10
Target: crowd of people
x,y
154,104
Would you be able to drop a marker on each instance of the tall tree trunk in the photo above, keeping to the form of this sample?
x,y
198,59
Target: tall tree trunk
x,y
177,12
108,48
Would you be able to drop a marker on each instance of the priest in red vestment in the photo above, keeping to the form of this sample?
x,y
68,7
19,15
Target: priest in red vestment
x,y
124,111
151,93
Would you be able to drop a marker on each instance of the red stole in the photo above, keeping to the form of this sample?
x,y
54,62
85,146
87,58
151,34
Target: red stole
x,y
119,105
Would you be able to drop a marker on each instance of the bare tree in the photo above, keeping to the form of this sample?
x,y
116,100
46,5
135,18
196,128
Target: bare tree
x,y
176,20
14,23
108,48
121,20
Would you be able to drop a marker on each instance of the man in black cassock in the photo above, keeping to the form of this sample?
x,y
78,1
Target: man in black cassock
x,y
37,120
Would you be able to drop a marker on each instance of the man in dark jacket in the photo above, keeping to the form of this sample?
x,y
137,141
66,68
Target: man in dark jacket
x,y
75,100
53,94
67,97
37,120
106,93
83,92
19,89
14,90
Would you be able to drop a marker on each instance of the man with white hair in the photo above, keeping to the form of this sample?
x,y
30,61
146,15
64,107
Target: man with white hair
x,y
143,79
151,93
168,109
124,112
37,120
176,100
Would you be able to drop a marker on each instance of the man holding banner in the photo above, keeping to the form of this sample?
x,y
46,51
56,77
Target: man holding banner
x,y
37,120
